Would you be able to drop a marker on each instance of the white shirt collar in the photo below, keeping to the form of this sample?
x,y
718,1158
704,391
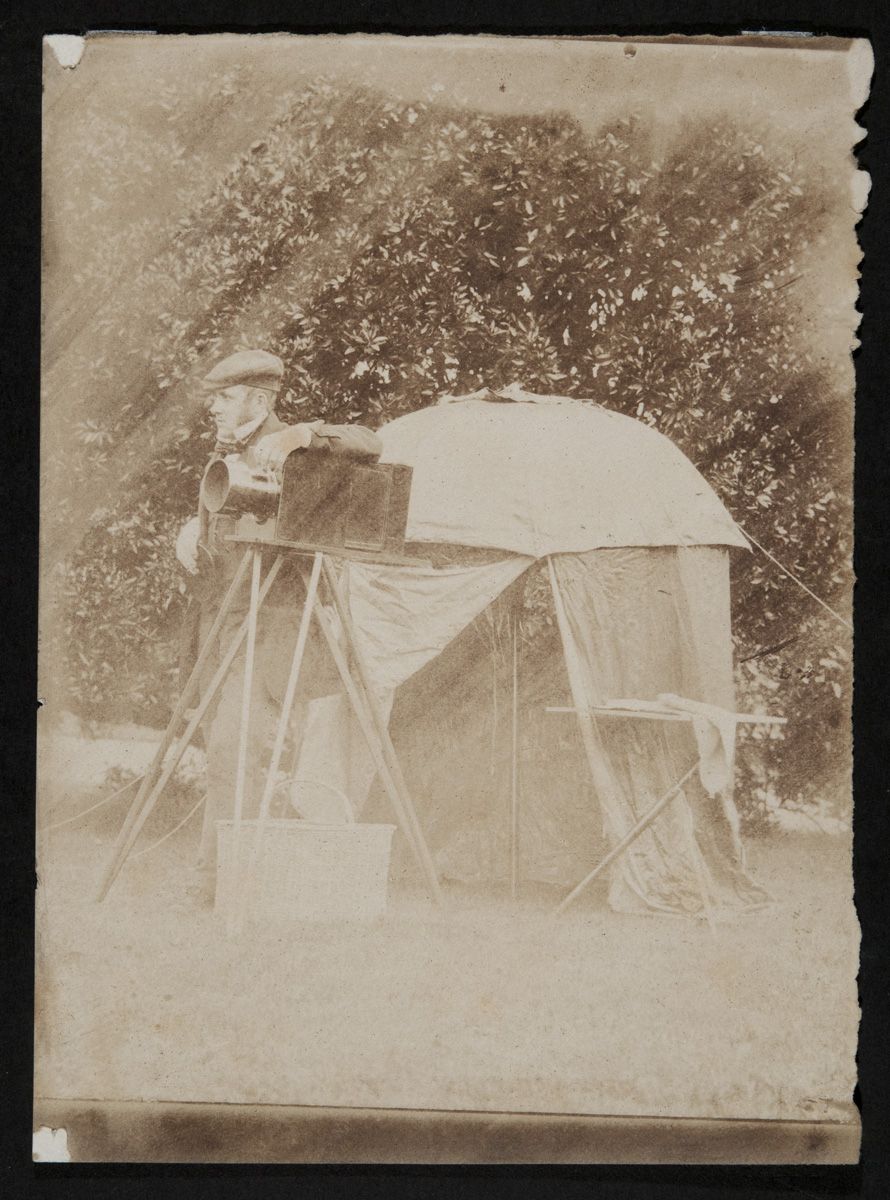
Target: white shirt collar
x,y
243,432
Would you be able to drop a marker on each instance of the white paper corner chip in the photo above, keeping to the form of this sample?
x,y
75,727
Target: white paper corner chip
x,y
50,1145
67,47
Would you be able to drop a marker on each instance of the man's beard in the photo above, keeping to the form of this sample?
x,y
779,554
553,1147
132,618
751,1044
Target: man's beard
x,y
225,432
231,433
226,427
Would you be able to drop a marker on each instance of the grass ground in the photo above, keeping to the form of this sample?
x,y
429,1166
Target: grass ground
x,y
483,1004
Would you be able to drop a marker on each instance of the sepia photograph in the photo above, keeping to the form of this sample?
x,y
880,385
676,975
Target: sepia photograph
x,y
446,536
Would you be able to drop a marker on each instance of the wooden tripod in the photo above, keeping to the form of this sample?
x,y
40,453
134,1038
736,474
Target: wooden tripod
x,y
354,676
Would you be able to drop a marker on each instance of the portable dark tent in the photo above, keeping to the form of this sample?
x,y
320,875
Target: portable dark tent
x,y
637,551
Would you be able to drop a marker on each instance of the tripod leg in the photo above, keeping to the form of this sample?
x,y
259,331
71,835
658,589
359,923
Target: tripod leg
x,y
183,702
382,730
367,727
283,723
126,841
246,696
374,727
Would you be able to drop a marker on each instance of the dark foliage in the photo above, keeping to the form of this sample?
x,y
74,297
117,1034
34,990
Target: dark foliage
x,y
391,252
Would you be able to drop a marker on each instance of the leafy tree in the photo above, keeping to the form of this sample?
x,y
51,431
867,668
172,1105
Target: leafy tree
x,y
393,251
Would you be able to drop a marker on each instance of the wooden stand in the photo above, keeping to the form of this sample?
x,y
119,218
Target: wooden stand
x,y
653,714
356,681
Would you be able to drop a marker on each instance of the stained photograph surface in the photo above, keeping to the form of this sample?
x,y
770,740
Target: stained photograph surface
x,y
446,574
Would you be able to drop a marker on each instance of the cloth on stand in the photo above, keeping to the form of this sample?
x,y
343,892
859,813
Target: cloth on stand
x,y
714,730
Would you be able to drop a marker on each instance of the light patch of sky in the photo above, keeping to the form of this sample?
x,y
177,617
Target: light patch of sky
x,y
805,89
808,87
593,80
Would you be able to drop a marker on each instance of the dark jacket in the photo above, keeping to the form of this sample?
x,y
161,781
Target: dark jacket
x,y
331,439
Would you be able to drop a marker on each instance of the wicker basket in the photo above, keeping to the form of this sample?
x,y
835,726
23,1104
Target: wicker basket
x,y
304,871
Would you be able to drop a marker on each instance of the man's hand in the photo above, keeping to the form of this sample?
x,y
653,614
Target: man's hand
x,y
187,545
273,449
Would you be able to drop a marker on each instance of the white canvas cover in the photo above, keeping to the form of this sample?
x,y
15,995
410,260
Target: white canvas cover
x,y
615,506
546,475
405,616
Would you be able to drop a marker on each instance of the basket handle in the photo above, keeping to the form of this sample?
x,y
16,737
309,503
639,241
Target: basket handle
x,y
347,804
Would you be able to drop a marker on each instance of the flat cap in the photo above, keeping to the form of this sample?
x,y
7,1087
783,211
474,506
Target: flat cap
x,y
254,368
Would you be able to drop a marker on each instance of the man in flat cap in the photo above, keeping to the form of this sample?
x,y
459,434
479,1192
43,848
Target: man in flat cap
x,y
240,394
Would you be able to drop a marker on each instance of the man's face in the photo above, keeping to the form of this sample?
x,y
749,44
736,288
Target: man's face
x,y
235,406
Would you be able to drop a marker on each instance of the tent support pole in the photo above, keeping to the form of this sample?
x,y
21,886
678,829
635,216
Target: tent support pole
x,y
593,748
244,729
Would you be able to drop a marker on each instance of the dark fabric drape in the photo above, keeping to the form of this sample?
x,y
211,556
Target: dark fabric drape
x,y
638,622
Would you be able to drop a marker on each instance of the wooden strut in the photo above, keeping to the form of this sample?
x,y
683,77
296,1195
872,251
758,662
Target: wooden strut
x,y
374,727
629,838
663,714
152,787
